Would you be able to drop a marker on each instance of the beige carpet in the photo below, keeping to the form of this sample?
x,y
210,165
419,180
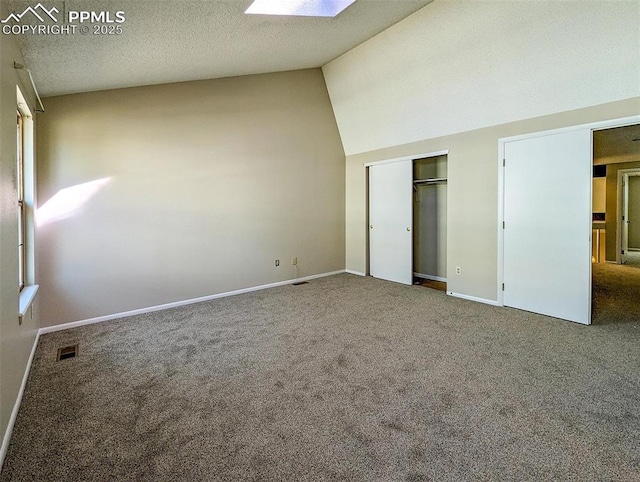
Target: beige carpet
x,y
616,293
344,378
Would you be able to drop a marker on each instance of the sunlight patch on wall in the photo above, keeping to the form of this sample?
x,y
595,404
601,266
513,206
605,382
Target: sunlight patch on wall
x,y
68,202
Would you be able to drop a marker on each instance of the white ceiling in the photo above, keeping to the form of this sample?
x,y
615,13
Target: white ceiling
x,y
179,40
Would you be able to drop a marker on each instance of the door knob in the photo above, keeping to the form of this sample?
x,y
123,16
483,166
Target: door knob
x,y
371,226
408,228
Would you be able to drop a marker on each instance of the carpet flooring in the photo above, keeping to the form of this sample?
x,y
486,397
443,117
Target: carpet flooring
x,y
616,294
344,378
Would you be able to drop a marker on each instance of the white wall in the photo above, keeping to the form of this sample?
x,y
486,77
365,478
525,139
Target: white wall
x,y
456,66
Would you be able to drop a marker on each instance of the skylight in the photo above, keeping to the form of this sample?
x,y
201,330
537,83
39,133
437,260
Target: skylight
x,y
302,8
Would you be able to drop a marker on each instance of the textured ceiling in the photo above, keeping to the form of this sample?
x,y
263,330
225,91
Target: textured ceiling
x,y
616,145
180,40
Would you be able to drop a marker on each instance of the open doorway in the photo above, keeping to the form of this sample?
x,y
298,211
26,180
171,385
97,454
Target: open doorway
x,y
616,225
545,256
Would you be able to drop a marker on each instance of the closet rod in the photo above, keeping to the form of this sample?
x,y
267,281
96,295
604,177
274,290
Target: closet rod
x,y
437,180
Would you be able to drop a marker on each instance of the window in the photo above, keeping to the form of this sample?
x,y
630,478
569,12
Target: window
x,y
22,242
25,187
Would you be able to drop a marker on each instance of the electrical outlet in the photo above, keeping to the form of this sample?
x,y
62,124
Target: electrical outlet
x,y
277,263
294,261
458,270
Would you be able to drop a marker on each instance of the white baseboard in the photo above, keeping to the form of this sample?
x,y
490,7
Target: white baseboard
x,y
428,276
358,273
16,405
150,309
474,298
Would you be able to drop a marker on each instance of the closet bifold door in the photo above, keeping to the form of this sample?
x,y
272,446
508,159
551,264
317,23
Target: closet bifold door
x,y
390,221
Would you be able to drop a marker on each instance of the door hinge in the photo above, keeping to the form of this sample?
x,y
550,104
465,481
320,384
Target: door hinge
x,y
502,286
503,224
504,162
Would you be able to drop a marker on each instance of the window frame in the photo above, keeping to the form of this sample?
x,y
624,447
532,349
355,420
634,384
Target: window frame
x,y
26,201
22,214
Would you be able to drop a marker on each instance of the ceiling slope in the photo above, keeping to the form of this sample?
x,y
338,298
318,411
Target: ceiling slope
x,y
166,41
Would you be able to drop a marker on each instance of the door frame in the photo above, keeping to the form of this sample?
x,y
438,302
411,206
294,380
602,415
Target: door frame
x,y
593,126
367,165
623,174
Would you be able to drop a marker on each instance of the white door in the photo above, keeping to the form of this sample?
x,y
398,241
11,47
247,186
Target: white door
x,y
547,234
390,221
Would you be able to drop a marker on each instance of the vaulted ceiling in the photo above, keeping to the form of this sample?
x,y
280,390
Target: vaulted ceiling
x,y
179,40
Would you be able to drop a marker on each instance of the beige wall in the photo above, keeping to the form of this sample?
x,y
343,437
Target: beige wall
x,y
459,75
599,194
472,216
16,340
202,186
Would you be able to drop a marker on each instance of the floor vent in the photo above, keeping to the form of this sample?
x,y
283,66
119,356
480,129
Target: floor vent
x,y
67,352
300,283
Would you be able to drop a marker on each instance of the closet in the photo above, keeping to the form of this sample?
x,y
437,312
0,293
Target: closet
x,y
408,218
430,218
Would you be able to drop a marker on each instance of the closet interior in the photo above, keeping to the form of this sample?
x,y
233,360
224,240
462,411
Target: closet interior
x,y
430,221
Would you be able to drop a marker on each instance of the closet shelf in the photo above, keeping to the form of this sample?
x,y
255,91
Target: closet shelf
x,y
435,180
